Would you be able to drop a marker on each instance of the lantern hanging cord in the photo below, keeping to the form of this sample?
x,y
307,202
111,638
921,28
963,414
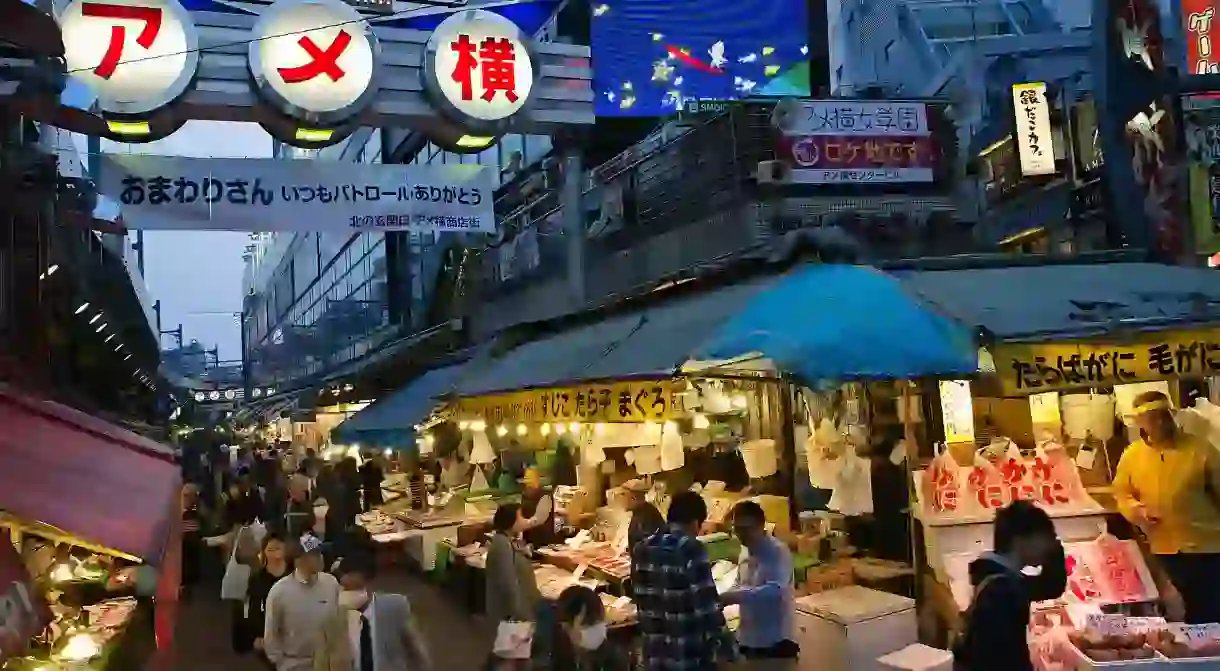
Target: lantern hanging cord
x,y
369,20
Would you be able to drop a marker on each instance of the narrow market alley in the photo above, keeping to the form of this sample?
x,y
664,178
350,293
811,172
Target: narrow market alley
x,y
454,636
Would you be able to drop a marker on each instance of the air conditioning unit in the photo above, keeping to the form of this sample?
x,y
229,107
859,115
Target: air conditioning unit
x,y
772,172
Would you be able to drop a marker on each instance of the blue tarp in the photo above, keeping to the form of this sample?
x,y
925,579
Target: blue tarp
x,y
391,420
843,322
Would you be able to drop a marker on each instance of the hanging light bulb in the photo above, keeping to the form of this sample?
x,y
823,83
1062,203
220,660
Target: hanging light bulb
x,y
478,425
670,426
501,430
740,401
545,429
521,429
599,428
82,308
574,427
463,425
700,422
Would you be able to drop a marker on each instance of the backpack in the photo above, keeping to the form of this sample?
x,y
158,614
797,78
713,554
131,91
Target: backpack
x,y
961,647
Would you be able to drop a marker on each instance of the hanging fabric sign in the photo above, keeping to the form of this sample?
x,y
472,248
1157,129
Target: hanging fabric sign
x,y
224,194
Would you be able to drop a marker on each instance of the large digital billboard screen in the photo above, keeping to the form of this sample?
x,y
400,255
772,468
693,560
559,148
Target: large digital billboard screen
x,y
650,57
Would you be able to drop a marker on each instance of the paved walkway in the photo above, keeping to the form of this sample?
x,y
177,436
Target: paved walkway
x,y
456,638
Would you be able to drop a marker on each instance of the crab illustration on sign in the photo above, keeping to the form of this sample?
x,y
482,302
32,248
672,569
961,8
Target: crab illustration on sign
x,y
136,55
479,69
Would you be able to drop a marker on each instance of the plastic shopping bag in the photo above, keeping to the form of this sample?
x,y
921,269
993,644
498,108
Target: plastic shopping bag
x,y
237,575
985,484
1055,479
942,483
514,640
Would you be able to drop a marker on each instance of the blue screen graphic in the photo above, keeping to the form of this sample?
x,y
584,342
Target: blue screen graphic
x,y
650,56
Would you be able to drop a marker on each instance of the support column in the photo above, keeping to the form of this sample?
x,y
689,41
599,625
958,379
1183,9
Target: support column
x,y
572,171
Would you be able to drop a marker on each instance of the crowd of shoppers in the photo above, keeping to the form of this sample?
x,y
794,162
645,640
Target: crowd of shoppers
x,y
285,530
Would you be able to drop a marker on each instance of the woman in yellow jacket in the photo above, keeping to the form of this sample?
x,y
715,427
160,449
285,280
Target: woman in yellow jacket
x,y
1168,485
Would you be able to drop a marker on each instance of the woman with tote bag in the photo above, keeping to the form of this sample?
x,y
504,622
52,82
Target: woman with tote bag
x,y
243,560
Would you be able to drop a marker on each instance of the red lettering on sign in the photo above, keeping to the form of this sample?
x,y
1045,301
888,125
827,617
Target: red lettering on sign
x,y
322,61
496,58
1080,580
149,16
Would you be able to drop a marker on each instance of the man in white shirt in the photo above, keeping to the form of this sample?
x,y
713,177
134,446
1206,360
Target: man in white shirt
x,y
299,607
381,630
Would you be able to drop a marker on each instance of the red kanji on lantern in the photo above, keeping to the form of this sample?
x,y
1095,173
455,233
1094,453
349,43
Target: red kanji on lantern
x,y
149,16
496,59
321,61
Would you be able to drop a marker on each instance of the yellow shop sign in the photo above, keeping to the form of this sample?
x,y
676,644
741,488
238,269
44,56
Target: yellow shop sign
x,y
636,401
1030,369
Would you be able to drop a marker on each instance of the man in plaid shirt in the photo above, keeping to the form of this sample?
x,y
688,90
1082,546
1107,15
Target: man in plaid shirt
x,y
676,597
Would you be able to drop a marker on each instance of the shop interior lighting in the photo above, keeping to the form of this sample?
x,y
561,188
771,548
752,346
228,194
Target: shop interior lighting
x,y
118,347
95,317
501,430
129,128
478,425
475,142
670,426
599,428
52,269
99,328
463,425
82,308
740,402
521,429
700,421
545,429
126,357
574,427
314,134
109,338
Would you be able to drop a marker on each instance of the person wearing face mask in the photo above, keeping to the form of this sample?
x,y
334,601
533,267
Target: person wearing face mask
x,y
1168,485
376,631
765,592
578,639
299,607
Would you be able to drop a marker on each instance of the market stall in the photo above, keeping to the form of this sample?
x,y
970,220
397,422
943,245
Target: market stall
x,y
92,577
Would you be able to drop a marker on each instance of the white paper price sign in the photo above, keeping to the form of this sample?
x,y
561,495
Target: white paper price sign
x,y
1196,635
1107,625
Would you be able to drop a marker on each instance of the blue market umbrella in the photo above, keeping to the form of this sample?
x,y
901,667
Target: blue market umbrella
x,y
844,322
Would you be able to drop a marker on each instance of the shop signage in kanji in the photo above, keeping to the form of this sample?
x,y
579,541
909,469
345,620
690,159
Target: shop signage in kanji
x,y
314,60
637,401
1028,369
178,193
479,69
136,55
1200,17
857,118
831,159
23,613
1035,145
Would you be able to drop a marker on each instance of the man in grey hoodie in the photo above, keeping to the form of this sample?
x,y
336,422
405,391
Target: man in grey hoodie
x,y
299,608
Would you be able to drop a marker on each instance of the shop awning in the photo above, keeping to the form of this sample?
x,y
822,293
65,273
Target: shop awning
x,y
390,421
670,333
1060,302
89,479
550,361
844,322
